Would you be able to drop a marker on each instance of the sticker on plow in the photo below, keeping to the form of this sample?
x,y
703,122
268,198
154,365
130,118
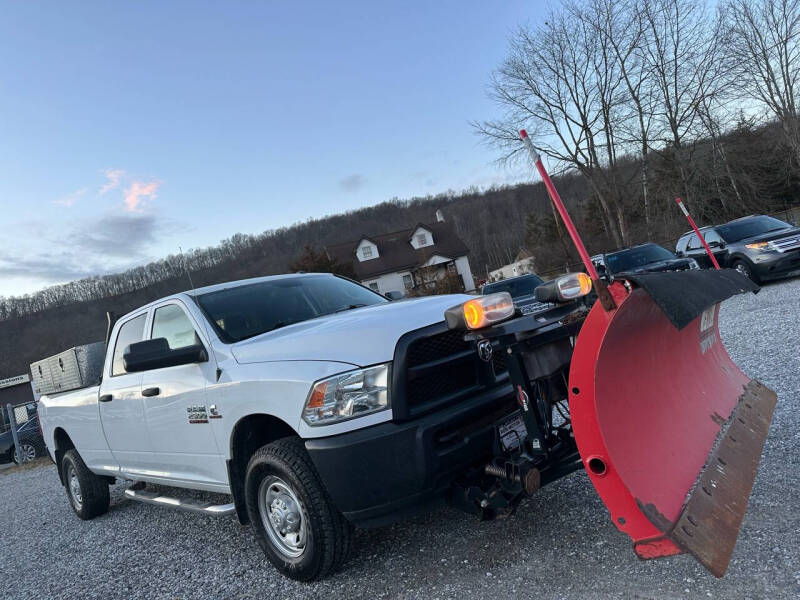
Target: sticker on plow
x,y
708,334
512,432
707,320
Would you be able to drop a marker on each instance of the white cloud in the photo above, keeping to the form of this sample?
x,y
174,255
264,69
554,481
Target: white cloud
x,y
138,192
71,198
113,179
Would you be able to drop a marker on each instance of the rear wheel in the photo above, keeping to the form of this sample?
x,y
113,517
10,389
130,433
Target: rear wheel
x,y
87,492
295,522
746,270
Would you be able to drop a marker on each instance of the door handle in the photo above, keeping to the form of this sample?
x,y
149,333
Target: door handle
x,y
148,392
106,398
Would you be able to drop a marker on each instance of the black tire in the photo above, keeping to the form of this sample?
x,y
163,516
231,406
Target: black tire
x,y
284,471
91,498
746,270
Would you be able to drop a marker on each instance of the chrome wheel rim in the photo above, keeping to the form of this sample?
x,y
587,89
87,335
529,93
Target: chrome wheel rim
x,y
74,487
28,453
283,516
743,270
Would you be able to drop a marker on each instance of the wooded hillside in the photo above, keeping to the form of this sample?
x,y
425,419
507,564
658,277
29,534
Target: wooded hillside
x,y
494,224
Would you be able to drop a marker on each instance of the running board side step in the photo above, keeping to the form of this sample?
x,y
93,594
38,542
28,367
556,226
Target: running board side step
x,y
203,508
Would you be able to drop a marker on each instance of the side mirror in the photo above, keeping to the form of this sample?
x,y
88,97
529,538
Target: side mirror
x,y
714,244
395,295
156,354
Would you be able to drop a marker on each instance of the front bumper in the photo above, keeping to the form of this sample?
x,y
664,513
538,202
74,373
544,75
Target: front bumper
x,y
378,474
774,265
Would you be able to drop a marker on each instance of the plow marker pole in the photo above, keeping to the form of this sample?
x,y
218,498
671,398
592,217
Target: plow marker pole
x,y
699,235
606,300
551,190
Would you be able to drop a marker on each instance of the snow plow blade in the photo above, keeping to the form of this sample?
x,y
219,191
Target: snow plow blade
x,y
669,429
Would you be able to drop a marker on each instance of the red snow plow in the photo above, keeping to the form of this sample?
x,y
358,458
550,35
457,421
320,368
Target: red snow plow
x,y
638,390
669,429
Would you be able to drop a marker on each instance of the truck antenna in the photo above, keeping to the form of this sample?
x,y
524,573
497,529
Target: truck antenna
x,y
185,268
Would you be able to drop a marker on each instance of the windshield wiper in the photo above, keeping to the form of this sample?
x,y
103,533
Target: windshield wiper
x,y
277,325
351,307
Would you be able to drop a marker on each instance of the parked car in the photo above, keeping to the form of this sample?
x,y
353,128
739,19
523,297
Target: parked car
x,y
644,258
522,290
759,247
30,439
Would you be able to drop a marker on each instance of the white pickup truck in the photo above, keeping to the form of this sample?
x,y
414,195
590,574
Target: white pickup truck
x,y
314,402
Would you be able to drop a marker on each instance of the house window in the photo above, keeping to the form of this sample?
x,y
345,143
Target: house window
x,y
422,239
373,285
408,281
451,268
366,252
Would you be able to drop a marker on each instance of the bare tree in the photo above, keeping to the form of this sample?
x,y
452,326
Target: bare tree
x,y
621,27
561,82
762,45
684,58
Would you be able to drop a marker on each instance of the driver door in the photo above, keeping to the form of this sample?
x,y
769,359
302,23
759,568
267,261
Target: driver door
x,y
175,405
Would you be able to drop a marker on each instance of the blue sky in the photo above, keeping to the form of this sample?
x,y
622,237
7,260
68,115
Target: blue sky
x,y
129,129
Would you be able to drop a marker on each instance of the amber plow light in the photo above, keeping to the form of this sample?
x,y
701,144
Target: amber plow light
x,y
485,310
573,285
565,288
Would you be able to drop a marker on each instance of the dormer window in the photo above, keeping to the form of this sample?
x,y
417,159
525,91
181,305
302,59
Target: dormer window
x,y
421,238
367,250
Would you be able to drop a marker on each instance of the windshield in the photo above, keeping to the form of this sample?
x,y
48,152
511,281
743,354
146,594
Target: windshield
x,y
245,311
519,286
739,230
625,260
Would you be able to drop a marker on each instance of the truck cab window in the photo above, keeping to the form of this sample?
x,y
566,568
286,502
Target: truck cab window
x,y
171,322
130,333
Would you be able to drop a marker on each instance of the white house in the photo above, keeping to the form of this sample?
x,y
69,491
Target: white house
x,y
523,263
403,260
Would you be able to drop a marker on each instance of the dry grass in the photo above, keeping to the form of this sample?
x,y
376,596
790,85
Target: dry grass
x,y
28,466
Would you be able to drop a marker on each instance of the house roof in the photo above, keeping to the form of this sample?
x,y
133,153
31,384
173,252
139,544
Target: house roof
x,y
395,253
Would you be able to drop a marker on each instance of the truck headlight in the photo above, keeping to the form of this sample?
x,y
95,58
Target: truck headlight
x,y
352,394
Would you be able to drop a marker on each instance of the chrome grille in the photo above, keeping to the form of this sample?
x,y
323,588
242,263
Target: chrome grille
x,y
786,244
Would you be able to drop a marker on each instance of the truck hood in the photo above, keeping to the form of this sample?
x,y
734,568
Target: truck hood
x,y
362,336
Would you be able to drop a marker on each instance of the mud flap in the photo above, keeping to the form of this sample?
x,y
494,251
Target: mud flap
x,y
669,429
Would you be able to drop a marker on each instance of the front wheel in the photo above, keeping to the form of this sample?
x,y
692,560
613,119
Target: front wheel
x,y
87,492
746,270
295,522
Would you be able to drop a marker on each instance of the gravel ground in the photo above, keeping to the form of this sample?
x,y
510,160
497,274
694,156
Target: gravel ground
x,y
560,544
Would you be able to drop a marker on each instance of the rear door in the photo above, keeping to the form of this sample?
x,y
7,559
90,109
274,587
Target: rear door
x,y
121,408
175,405
696,250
